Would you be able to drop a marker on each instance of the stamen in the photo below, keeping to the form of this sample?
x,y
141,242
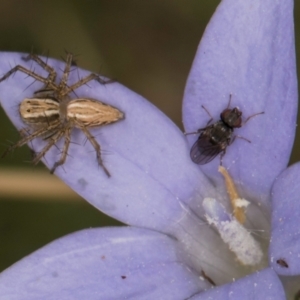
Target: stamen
x,y
239,240
238,204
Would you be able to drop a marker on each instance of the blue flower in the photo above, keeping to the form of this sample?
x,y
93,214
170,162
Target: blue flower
x,y
176,210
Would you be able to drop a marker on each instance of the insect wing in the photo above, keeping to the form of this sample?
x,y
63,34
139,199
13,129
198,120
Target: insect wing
x,y
203,151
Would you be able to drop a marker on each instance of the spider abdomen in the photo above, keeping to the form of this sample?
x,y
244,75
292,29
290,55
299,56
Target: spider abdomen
x,y
39,112
92,113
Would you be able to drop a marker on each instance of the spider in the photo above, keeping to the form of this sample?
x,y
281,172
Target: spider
x,y
52,114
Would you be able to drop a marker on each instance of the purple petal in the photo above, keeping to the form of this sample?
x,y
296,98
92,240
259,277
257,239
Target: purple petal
x,y
248,51
110,263
284,249
146,154
263,285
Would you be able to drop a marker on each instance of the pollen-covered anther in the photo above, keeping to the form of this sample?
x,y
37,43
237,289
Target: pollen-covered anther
x,y
236,236
239,204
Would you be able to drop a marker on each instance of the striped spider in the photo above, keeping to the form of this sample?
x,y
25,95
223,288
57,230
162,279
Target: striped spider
x,y
52,114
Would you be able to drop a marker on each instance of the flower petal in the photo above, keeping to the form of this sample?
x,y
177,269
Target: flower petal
x,y
248,51
285,240
146,154
110,263
263,285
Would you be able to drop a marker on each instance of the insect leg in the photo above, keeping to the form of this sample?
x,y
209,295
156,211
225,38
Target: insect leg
x,y
260,113
239,137
96,147
211,118
52,73
195,132
64,154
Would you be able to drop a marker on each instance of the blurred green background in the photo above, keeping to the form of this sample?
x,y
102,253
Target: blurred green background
x,y
148,46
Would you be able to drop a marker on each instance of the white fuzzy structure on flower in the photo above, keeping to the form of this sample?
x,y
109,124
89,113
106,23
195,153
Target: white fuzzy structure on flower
x,y
237,237
241,202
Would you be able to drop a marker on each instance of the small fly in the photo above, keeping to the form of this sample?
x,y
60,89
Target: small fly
x,y
215,138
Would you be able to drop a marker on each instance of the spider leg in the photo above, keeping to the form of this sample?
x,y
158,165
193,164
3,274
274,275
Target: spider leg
x,y
51,142
52,73
23,133
26,71
96,146
85,80
64,154
25,139
66,73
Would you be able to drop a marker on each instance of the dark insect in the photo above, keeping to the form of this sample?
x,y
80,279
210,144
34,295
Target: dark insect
x,y
215,138
281,262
